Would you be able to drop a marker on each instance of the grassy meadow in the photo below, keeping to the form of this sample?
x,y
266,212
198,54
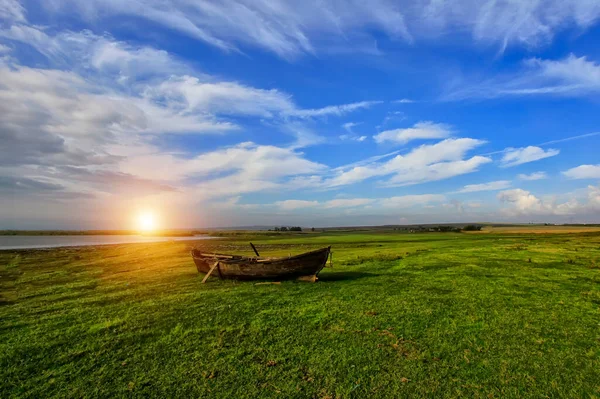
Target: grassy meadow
x,y
496,314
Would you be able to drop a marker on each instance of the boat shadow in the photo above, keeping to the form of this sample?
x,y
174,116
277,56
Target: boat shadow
x,y
345,276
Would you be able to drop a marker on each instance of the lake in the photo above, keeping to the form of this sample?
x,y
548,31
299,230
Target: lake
x,y
29,242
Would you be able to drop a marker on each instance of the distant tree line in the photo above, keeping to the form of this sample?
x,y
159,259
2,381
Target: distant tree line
x,y
445,229
284,228
439,229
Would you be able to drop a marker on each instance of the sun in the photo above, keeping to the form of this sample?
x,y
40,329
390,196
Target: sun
x,y
146,222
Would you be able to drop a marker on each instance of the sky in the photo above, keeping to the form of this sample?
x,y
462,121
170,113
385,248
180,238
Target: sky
x,y
314,113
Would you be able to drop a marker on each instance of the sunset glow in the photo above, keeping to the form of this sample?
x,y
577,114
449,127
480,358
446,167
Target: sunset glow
x,y
146,222
302,113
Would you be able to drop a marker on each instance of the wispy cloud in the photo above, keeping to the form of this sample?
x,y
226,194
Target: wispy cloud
x,y
348,126
407,201
512,23
347,202
491,186
422,164
337,110
352,137
87,116
73,118
421,130
289,28
296,204
519,156
571,77
571,138
192,95
158,77
100,119
532,176
107,91
12,10
396,202
245,167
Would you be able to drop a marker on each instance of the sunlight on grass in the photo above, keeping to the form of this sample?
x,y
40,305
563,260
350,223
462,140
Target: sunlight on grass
x,y
399,315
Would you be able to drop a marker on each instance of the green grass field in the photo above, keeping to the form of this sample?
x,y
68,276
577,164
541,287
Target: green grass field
x,y
399,315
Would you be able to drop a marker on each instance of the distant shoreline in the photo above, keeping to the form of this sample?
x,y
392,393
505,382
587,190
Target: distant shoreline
x,y
22,242
165,233
228,231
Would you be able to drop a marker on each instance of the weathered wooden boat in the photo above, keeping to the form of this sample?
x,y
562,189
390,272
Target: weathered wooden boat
x,y
305,266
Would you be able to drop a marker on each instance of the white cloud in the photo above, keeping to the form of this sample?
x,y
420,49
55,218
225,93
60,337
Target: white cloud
x,y
422,164
349,125
513,22
533,176
49,113
243,164
567,75
373,204
570,76
583,172
90,55
290,28
101,116
491,186
94,117
124,61
12,10
435,162
109,92
296,204
156,77
523,203
404,101
347,202
287,28
421,130
437,171
518,156
335,110
352,137
407,201
190,94
305,136
391,116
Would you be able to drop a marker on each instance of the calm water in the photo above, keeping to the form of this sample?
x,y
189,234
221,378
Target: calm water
x,y
27,242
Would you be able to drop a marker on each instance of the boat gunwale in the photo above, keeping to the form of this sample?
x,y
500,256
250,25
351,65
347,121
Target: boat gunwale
x,y
238,258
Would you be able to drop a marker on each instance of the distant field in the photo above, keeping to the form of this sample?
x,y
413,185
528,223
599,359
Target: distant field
x,y
398,316
536,229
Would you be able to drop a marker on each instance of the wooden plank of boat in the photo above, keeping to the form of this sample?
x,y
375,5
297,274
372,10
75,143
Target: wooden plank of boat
x,y
210,272
306,265
254,249
220,256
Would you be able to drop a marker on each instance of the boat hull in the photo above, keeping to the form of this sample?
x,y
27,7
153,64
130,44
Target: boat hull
x,y
308,264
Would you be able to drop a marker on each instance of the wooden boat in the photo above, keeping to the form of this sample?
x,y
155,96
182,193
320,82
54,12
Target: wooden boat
x,y
305,266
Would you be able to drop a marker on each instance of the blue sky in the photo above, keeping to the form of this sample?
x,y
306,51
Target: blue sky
x,y
314,113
